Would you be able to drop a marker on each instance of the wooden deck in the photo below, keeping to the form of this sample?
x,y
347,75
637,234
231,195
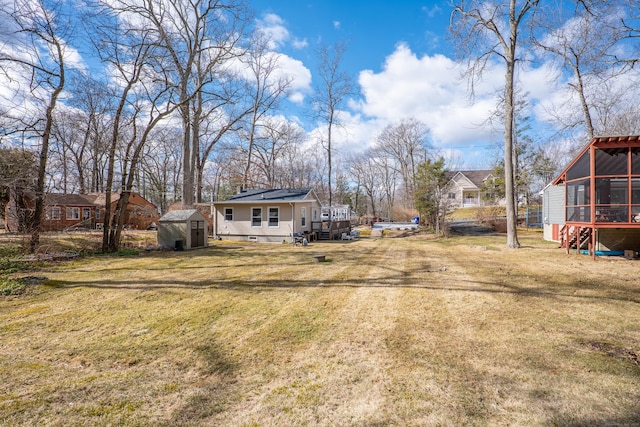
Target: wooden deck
x,y
331,230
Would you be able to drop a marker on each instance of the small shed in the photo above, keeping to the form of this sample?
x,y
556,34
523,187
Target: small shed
x,y
182,230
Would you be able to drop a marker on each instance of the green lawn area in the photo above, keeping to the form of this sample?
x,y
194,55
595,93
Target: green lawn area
x,y
393,331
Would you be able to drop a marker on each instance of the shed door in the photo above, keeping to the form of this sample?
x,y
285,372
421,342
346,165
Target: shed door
x,y
197,234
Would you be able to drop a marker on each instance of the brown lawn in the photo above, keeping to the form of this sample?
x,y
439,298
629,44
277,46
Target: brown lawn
x,y
391,331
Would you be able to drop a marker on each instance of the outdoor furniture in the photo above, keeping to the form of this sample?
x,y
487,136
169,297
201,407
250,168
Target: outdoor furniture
x,y
298,238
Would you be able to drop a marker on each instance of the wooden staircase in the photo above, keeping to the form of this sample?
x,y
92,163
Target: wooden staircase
x,y
578,237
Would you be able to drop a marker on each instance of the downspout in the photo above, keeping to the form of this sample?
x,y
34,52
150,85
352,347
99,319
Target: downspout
x,y
293,221
214,222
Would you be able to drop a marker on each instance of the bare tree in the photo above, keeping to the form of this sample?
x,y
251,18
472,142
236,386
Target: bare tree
x,y
483,31
144,96
585,45
277,136
331,92
406,143
18,174
363,171
198,37
266,86
160,164
34,45
93,104
296,168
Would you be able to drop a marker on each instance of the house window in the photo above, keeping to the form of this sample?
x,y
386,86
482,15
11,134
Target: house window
x,y
97,213
315,214
53,213
228,214
73,213
256,217
274,217
452,195
303,216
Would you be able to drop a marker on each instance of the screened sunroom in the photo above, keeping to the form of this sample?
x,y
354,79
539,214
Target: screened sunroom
x,y
602,196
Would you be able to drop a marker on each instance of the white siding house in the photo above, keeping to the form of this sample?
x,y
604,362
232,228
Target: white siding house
x,y
469,189
266,215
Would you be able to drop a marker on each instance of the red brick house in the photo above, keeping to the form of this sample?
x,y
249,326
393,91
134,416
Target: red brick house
x,y
79,211
140,215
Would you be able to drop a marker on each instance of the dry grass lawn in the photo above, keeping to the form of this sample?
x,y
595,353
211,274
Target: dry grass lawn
x,y
392,331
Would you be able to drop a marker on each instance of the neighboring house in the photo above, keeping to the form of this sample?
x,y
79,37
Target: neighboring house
x,y
594,204
141,214
74,211
267,215
468,189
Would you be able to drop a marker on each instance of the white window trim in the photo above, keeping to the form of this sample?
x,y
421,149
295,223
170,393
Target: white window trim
x,y
54,213
73,214
224,214
261,217
269,216
303,216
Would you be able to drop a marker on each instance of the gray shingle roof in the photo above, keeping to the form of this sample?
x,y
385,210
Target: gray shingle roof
x,y
58,199
477,177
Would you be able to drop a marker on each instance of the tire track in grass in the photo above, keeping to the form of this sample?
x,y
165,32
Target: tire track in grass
x,y
271,344
347,369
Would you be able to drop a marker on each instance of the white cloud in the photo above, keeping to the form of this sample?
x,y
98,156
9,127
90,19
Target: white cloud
x,y
273,27
433,11
299,44
336,25
430,89
300,74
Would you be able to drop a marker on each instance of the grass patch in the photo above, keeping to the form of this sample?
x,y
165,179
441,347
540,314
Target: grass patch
x,y
126,252
11,286
403,331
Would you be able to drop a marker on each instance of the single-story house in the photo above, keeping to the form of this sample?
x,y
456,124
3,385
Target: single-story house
x,y
274,215
182,229
141,214
469,189
594,204
73,211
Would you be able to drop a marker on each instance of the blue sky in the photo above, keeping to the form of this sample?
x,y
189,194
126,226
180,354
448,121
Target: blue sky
x,y
371,28
401,59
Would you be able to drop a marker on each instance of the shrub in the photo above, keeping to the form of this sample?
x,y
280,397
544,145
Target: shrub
x,y
126,252
11,286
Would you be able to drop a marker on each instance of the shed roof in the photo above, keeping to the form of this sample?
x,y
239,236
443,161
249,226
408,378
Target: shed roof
x,y
273,195
180,215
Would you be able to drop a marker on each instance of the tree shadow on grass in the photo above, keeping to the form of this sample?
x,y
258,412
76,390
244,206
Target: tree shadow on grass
x,y
214,390
400,279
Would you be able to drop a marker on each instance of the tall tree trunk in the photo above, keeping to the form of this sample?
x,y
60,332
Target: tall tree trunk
x,y
512,217
585,106
187,158
329,158
44,153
